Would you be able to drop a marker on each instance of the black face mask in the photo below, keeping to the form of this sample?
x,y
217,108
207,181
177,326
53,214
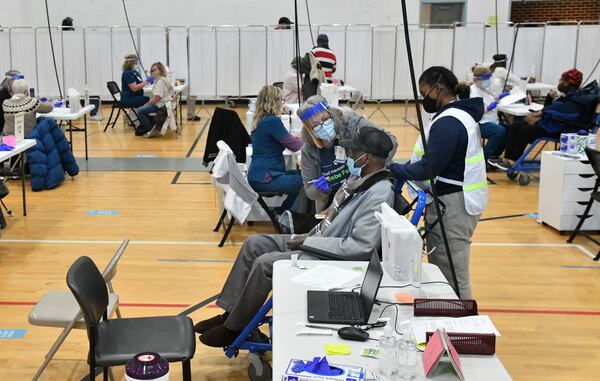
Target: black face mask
x,y
563,88
430,105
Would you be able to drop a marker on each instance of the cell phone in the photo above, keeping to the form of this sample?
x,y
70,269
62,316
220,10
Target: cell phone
x,y
32,92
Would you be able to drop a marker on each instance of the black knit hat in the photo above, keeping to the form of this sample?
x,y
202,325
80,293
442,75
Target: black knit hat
x,y
371,140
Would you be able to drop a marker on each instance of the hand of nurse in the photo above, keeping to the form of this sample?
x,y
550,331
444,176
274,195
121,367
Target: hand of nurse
x,y
150,80
503,95
492,106
322,185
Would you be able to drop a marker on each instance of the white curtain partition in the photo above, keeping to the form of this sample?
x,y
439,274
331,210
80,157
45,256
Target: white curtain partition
x,y
384,61
98,60
178,52
23,53
559,51
253,59
73,62
203,65
589,35
153,45
46,83
221,61
468,48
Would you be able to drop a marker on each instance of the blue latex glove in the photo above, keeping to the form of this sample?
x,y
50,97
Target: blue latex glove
x,y
42,99
503,95
318,366
5,147
492,106
58,104
150,80
322,185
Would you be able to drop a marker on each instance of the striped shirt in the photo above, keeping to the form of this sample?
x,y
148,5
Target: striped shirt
x,y
327,59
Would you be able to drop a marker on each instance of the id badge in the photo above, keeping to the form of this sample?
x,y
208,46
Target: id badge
x,y
340,153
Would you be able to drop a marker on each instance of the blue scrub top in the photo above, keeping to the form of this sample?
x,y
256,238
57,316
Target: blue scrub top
x,y
267,151
130,76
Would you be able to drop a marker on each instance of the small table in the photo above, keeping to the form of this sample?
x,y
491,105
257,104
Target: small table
x,y
289,307
21,147
520,109
177,89
538,86
64,113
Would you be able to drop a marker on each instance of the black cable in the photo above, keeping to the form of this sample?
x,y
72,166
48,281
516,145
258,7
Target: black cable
x,y
52,49
8,211
426,151
297,51
137,53
397,312
309,23
496,13
512,58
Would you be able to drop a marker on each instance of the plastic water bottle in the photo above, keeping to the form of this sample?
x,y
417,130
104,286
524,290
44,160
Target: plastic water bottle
x,y
407,353
388,351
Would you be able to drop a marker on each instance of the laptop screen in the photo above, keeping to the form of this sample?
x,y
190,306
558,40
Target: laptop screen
x,y
370,285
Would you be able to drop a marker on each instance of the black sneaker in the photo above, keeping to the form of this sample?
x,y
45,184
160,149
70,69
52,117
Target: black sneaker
x,y
501,164
194,118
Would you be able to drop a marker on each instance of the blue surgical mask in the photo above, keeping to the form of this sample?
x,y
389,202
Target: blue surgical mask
x,y
326,130
486,83
354,170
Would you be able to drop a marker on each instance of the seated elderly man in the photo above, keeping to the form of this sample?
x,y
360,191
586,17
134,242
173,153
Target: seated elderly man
x,y
350,230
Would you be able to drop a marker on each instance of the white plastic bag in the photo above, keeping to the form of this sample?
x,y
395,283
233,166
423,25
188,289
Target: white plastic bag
x,y
402,247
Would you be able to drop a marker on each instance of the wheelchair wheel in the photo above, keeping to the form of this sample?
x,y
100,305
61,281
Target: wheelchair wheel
x,y
511,174
524,179
260,371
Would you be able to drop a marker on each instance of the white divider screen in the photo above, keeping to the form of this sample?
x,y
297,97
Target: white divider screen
x,y
153,46
46,84
178,54
403,87
228,61
559,51
5,48
74,60
280,51
98,63
253,59
468,48
438,47
23,53
121,46
337,43
306,43
528,52
203,66
358,58
384,61
589,35
505,42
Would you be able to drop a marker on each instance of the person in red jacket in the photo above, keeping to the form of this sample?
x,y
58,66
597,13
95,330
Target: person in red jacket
x,y
325,56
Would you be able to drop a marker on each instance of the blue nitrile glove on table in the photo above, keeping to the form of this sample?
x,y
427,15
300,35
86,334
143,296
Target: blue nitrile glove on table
x,y
150,80
492,106
322,185
318,366
5,147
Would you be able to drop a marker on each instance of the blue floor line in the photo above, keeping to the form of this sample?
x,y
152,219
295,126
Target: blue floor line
x,y
197,260
580,267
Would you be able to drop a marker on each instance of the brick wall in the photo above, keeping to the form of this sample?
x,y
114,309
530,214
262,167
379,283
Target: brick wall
x,y
555,10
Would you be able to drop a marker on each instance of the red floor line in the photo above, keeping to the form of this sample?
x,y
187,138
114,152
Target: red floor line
x,y
160,305
539,312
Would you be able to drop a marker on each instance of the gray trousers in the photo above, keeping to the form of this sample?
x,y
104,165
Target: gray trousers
x,y
250,279
191,103
459,227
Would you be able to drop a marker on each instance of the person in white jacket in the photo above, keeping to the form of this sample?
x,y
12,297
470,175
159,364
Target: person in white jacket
x,y
489,125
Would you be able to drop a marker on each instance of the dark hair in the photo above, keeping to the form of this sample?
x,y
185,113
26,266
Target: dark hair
x,y
446,78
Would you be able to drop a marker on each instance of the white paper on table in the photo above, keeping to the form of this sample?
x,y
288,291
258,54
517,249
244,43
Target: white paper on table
x,y
325,277
516,94
468,324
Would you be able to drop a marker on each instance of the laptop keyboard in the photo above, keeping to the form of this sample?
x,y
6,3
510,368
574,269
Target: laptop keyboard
x,y
343,306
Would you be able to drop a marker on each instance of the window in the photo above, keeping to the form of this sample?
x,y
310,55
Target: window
x,y
436,12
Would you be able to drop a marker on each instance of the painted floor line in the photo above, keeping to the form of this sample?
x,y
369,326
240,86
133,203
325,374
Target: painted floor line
x,y
198,260
580,267
159,305
66,241
510,244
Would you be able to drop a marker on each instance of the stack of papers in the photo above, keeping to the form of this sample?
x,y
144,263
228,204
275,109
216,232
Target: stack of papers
x,y
469,324
324,277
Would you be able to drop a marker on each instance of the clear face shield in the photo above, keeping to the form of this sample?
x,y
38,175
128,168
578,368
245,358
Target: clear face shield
x,y
318,122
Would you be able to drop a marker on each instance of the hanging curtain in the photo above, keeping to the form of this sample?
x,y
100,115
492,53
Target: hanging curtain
x,y
22,41
98,62
280,51
559,51
358,64
178,55
74,60
228,61
384,52
403,89
589,35
528,52
468,48
153,46
253,55
46,83
203,69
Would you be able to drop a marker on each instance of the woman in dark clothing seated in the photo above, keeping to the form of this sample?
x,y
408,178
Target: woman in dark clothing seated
x,y
267,172
573,106
132,84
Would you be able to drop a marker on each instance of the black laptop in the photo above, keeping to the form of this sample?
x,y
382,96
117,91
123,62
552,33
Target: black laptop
x,y
334,307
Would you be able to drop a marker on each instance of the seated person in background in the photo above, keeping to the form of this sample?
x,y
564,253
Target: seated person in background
x,y
132,83
350,230
290,85
6,92
267,172
489,126
573,106
323,165
499,74
21,102
162,91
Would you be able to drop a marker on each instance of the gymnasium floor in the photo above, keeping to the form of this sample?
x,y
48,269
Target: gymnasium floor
x,y
542,294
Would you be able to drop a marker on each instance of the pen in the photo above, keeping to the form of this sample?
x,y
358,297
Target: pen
x,y
319,327
312,181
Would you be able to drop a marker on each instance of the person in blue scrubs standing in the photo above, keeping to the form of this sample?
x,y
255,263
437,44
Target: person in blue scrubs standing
x,y
267,172
132,84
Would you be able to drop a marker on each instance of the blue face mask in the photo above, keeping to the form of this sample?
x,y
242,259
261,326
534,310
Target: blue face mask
x,y
326,130
354,170
486,83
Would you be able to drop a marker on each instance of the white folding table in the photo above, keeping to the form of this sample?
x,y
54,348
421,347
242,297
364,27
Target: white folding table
x,y
21,147
64,113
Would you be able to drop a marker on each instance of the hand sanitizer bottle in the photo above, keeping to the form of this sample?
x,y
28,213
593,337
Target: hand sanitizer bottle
x,y
388,351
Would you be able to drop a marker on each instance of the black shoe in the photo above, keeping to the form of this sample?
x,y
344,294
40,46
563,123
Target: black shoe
x,y
194,118
140,132
219,337
213,322
500,164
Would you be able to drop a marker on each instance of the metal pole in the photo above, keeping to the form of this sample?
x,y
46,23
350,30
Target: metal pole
x,y
576,44
239,62
37,76
452,51
216,65
372,52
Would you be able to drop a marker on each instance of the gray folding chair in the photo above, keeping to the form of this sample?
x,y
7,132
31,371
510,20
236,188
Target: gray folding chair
x,y
60,309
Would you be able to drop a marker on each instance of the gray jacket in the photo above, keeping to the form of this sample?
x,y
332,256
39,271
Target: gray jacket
x,y
355,231
347,121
